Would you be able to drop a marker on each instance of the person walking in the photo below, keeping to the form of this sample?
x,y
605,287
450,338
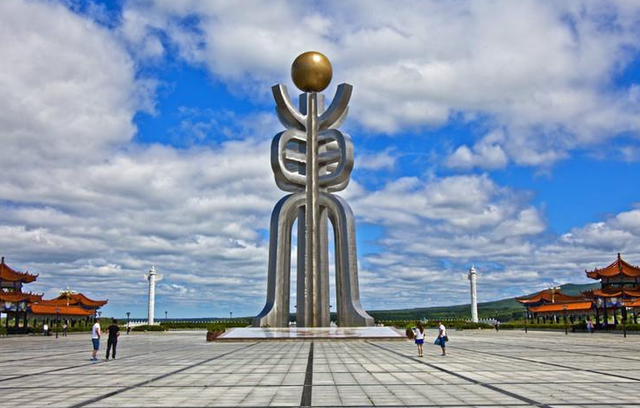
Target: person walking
x,y
95,339
442,338
418,335
112,341
45,329
589,326
65,326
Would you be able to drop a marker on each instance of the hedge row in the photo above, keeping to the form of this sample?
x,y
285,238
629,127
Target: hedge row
x,y
458,325
208,326
146,327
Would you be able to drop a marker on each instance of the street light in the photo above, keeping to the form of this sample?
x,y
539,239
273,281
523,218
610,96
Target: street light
x,y
230,315
128,325
165,315
57,321
525,321
565,320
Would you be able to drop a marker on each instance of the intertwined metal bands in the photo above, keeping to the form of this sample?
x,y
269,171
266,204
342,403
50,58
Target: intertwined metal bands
x,y
311,159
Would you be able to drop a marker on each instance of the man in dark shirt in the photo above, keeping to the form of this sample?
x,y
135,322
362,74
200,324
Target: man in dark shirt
x,y
114,332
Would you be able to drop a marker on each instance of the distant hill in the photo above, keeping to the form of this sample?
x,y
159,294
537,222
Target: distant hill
x,y
504,310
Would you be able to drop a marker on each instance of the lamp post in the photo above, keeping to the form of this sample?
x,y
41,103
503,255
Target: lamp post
x,y
566,331
128,325
525,321
165,315
57,321
230,315
625,313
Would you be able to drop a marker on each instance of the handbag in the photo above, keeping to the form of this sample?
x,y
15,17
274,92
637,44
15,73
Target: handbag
x,y
446,338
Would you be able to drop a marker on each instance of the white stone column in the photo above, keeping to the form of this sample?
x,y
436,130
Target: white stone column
x,y
474,295
152,293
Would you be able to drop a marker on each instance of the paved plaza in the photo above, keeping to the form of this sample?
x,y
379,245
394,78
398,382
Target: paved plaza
x,y
179,369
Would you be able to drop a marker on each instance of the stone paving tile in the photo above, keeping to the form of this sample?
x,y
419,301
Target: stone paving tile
x,y
482,368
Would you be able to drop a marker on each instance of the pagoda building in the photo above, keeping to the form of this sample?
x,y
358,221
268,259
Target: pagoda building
x,y
70,306
552,302
18,305
619,293
619,290
14,303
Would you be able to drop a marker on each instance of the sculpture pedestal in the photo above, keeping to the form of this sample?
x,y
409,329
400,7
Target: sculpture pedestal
x,y
312,333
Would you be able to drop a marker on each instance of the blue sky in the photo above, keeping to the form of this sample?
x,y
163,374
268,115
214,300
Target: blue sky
x,y
136,133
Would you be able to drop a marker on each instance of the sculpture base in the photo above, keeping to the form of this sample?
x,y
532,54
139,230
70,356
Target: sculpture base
x,y
315,333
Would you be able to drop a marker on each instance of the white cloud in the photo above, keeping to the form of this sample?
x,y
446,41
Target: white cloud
x,y
86,207
486,154
384,160
82,204
68,88
538,70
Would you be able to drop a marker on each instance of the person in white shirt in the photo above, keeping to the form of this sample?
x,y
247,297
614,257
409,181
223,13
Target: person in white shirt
x,y
418,334
442,338
45,329
95,339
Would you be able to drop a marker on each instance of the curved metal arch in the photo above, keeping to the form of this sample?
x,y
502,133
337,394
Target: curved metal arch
x,y
276,310
350,310
337,111
288,115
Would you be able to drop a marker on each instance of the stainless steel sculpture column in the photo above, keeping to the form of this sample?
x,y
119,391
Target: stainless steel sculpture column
x,y
312,159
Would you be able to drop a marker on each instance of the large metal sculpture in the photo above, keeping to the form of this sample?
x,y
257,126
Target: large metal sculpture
x,y
312,159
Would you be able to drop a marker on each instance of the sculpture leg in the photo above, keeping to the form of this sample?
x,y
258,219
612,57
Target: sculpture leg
x,y
302,312
322,281
304,308
350,311
276,310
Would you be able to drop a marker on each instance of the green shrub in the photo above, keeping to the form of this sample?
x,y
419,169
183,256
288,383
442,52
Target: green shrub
x,y
147,327
577,326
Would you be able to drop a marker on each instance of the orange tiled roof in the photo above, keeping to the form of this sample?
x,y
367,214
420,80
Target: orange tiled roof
x,y
58,302
39,309
635,303
19,296
555,307
614,292
8,274
76,298
547,296
618,267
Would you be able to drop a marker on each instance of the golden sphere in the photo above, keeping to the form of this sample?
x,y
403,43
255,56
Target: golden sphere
x,y
311,72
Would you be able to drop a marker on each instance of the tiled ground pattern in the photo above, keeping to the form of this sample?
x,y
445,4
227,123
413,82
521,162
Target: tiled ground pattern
x,y
179,369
